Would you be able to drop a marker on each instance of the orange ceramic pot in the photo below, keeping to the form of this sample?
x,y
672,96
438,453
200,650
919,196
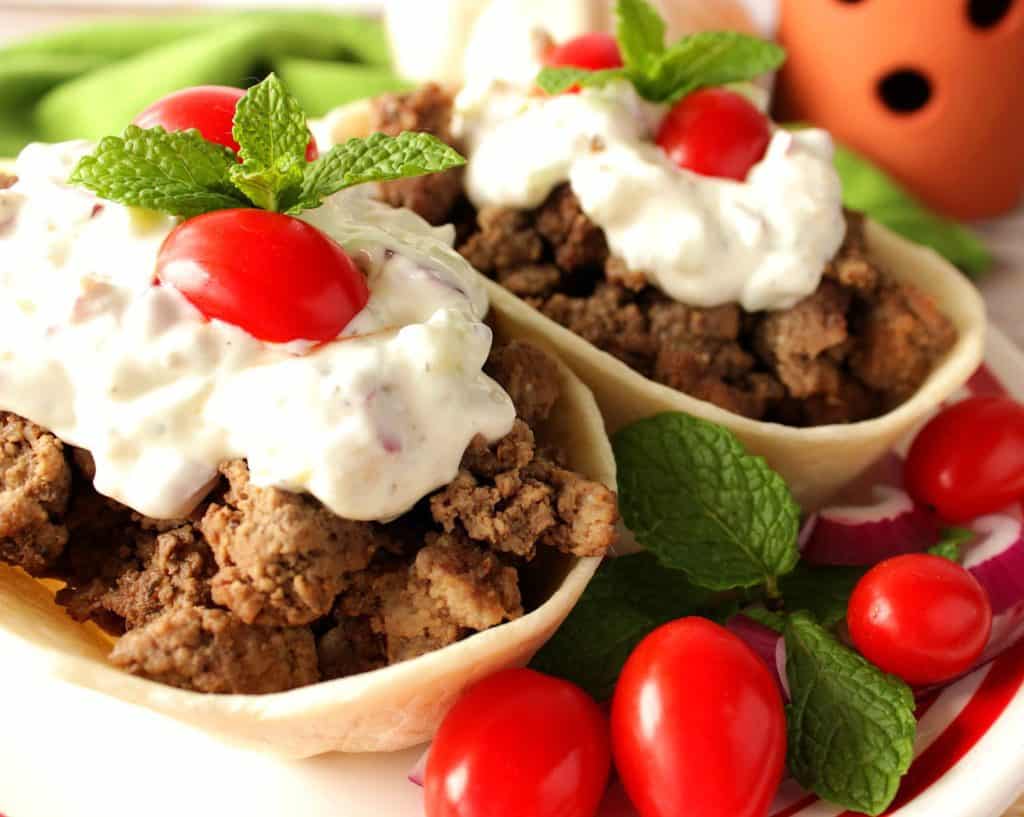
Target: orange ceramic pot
x,y
932,90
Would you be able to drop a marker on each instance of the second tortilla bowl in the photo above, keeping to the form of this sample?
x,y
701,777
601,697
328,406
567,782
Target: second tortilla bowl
x,y
815,462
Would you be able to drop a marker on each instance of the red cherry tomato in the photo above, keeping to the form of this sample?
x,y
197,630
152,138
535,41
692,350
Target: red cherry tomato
x,y
969,460
210,109
698,727
592,51
519,743
715,132
921,617
274,276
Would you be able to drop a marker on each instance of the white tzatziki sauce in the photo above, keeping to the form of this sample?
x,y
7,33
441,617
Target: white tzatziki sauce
x,y
703,241
92,350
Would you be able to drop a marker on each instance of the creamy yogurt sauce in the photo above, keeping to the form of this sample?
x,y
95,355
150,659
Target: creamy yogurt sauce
x,y
369,423
703,241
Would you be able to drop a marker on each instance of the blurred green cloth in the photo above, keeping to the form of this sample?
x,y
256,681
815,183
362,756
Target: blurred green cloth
x,y
92,81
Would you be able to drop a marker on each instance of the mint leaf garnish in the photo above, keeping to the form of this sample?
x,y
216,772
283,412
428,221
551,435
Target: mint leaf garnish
x,y
183,175
378,158
851,726
952,540
701,504
560,80
824,592
706,59
666,75
176,173
270,128
766,618
627,598
640,32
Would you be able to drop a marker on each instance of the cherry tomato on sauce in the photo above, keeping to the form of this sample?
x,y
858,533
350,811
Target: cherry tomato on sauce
x,y
715,132
274,276
698,727
595,52
921,617
969,460
210,109
519,744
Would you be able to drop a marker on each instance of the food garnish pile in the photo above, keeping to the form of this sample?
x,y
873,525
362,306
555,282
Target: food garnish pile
x,y
253,419
635,194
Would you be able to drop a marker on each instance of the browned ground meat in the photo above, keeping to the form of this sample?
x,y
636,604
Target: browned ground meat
x,y
431,196
213,651
856,347
264,590
283,557
35,482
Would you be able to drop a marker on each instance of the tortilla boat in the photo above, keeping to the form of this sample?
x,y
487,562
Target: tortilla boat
x,y
386,709
815,462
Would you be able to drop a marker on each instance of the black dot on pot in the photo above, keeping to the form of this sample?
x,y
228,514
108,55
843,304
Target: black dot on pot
x,y
987,13
905,91
850,2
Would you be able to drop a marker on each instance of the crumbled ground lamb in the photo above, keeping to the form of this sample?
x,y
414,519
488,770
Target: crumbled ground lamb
x,y
855,348
35,483
262,590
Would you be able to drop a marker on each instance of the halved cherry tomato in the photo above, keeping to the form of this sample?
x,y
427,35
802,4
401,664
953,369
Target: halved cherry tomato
x,y
595,52
921,617
698,726
969,460
210,109
519,744
278,278
715,132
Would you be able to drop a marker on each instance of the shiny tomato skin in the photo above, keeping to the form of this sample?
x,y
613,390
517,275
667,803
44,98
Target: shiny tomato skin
x,y
210,109
595,52
715,132
278,278
968,461
920,617
519,743
698,726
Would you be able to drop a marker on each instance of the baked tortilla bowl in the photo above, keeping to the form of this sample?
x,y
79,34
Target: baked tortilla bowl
x,y
388,709
815,462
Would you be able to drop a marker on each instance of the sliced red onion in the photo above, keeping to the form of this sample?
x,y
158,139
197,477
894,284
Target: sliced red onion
x,y
997,560
418,772
767,644
858,535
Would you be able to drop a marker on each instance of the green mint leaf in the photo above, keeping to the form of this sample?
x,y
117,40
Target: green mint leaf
x,y
378,158
559,80
176,173
641,34
824,592
851,726
870,190
270,128
701,504
627,598
951,542
707,59
766,618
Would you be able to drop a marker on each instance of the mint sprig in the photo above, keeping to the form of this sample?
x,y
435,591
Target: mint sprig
x,y
270,128
666,75
183,175
378,158
696,499
851,727
176,173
